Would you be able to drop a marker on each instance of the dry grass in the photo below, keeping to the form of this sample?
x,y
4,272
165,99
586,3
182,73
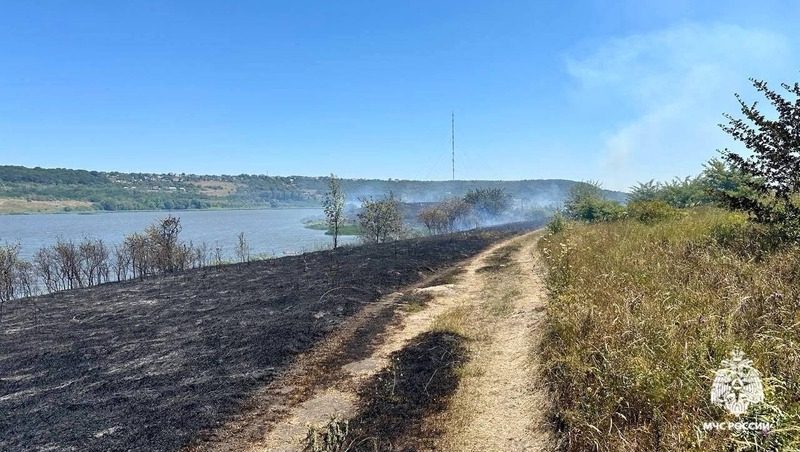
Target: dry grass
x,y
216,188
17,205
415,301
640,317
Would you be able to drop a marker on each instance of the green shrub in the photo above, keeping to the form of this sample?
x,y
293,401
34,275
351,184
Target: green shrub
x,y
650,212
557,224
586,203
595,210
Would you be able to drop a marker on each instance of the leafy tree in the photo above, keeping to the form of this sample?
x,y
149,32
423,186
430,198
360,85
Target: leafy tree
x,y
722,182
645,191
586,202
380,220
488,202
334,208
444,216
771,181
687,192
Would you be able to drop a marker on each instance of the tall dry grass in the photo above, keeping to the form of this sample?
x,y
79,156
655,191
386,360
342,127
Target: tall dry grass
x,y
640,317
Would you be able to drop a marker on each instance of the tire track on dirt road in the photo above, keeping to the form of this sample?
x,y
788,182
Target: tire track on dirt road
x,y
340,399
498,300
501,403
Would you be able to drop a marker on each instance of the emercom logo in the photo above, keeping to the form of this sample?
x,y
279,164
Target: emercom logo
x,y
737,386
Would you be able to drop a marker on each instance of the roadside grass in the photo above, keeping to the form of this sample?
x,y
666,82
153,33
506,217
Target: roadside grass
x,y
640,316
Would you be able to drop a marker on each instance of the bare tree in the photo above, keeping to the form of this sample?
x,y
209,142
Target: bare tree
x,y
445,216
16,275
67,255
46,266
201,254
242,248
334,208
163,237
93,262
140,257
122,262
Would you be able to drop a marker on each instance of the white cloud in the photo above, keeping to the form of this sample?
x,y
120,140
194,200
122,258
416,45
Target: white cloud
x,y
673,85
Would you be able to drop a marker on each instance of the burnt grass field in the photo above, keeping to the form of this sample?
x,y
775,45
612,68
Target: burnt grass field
x,y
151,364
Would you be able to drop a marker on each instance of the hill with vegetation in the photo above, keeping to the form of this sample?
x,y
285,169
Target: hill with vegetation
x,y
25,189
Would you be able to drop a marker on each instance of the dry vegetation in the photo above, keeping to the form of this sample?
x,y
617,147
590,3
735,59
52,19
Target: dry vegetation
x,y
641,317
215,187
18,205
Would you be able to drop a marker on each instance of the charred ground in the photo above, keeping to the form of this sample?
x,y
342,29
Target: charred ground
x,y
150,365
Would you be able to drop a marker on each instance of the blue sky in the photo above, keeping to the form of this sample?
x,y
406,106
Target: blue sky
x,y
612,91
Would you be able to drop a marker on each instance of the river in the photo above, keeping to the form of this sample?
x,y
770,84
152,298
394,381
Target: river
x,y
270,231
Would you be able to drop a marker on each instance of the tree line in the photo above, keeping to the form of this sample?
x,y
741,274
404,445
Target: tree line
x,y
381,219
68,264
476,207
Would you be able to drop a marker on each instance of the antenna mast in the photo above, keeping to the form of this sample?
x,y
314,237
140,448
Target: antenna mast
x,y
453,141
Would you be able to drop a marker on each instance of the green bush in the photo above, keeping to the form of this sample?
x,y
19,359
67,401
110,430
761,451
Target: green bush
x,y
587,203
557,224
650,212
597,209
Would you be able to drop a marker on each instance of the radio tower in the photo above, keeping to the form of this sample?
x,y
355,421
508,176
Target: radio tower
x,y
453,141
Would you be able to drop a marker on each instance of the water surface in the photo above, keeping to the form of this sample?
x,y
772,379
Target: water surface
x,y
272,231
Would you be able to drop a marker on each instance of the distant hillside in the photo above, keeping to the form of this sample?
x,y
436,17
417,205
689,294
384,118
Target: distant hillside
x,y
38,189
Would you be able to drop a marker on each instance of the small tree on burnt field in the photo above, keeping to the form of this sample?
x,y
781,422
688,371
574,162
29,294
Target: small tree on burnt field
x,y
488,202
16,275
380,220
444,216
242,248
334,208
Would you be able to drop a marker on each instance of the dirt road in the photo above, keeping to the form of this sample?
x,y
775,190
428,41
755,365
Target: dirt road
x,y
454,370
500,404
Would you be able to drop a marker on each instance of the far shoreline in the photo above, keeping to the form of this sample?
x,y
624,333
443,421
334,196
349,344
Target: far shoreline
x,y
103,212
